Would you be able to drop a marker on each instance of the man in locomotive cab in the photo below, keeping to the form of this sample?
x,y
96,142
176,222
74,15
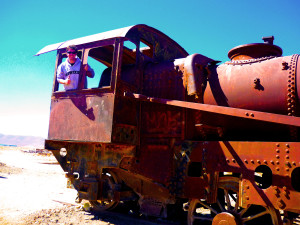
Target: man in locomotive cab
x,y
69,70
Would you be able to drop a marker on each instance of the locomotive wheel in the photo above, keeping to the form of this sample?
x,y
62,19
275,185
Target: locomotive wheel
x,y
227,210
108,203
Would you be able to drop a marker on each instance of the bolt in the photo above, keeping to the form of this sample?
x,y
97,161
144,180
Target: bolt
x,y
280,204
284,188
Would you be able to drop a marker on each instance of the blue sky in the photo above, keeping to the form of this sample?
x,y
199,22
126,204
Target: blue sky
x,y
210,28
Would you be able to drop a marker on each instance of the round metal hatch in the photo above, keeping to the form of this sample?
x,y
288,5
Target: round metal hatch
x,y
252,51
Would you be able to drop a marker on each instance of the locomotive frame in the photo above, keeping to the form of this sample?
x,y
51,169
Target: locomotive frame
x,y
172,132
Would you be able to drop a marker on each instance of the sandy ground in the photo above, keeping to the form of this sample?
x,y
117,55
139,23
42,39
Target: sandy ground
x,y
33,191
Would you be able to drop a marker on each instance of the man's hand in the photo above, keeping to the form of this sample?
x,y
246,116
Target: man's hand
x,y
86,68
68,80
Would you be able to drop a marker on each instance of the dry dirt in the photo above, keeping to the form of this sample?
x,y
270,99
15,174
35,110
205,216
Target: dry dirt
x,y
33,191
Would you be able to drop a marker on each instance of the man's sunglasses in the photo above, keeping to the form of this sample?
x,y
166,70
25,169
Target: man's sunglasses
x,y
72,52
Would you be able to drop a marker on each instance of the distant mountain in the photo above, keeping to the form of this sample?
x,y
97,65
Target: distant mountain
x,y
33,141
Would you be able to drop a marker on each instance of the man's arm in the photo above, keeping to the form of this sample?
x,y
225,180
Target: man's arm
x,y
89,71
61,78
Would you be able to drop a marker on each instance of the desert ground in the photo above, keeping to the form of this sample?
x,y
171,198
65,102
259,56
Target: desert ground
x,y
33,191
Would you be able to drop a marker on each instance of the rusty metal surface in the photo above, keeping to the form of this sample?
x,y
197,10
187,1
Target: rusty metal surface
x,y
165,47
246,86
226,111
81,117
267,170
173,127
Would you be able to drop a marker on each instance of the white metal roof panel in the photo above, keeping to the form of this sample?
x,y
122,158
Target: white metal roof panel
x,y
88,39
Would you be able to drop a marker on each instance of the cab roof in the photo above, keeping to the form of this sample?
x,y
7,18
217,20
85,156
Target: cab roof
x,y
159,41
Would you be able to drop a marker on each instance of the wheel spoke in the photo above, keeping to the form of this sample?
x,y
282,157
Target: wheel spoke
x,y
254,216
227,199
232,196
203,218
236,207
242,212
220,206
208,207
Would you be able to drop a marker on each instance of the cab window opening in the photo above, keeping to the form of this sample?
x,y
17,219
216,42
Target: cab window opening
x,y
129,58
146,48
100,60
63,57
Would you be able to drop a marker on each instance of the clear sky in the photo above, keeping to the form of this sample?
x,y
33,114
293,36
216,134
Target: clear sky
x,y
208,27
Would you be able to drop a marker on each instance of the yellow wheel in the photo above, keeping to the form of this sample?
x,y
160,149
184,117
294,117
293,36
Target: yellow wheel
x,y
226,211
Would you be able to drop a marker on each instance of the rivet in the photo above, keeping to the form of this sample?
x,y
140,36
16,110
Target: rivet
x,y
277,162
233,160
281,204
284,188
277,156
252,161
265,162
287,157
251,114
246,161
247,114
277,144
287,150
247,198
248,187
258,161
277,168
287,169
277,150
227,160
272,162
294,163
287,145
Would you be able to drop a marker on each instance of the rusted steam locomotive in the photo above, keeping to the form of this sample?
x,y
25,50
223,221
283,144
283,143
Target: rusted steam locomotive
x,y
173,132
